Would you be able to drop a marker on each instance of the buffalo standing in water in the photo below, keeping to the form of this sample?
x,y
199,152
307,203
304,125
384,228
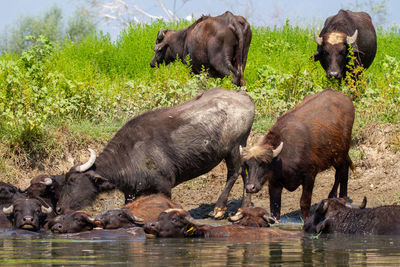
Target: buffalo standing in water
x,y
160,149
219,44
344,29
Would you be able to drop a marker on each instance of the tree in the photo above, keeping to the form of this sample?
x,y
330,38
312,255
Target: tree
x,y
80,25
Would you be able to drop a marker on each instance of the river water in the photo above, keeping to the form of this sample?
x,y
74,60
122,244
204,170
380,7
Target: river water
x,y
22,248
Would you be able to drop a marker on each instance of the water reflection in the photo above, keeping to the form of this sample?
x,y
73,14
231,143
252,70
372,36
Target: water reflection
x,y
334,250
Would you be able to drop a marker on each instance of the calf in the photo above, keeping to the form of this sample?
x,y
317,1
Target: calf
x,y
338,216
305,141
178,223
253,217
71,222
28,214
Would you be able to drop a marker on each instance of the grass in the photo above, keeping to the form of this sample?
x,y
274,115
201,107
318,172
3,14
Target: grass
x,y
89,89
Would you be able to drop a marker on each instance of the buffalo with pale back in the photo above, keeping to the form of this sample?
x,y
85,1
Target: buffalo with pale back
x,y
312,137
156,151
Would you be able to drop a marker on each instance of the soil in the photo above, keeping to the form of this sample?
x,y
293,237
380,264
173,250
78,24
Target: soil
x,y
375,155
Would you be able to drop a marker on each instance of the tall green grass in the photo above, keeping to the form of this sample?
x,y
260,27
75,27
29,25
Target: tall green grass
x,y
100,80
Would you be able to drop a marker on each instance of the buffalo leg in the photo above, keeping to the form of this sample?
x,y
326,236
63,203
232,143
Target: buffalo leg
x,y
233,165
333,193
305,200
275,196
343,174
221,61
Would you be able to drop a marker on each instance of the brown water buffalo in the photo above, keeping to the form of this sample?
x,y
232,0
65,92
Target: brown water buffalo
x,y
178,223
218,44
338,216
71,222
341,30
118,218
313,136
160,149
253,217
46,187
27,213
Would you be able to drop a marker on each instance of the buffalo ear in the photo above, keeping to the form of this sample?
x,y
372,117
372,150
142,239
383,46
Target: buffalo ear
x,y
100,181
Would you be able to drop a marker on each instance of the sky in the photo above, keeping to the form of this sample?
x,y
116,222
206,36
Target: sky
x,y
258,12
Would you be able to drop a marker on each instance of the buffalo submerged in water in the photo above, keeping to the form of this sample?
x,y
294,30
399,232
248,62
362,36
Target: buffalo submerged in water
x,y
160,149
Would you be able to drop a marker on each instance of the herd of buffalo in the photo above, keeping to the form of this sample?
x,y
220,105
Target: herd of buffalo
x,y
159,149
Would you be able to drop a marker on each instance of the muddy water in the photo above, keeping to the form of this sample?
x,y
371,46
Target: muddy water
x,y
18,248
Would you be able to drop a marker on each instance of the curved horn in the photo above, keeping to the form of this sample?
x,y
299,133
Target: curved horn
x,y
238,216
9,210
90,219
84,167
47,181
364,203
352,39
317,39
161,34
269,219
46,210
241,151
190,219
277,150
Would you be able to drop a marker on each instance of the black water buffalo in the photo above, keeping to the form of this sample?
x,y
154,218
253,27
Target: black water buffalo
x,y
218,44
338,216
313,136
160,149
341,30
71,222
178,223
118,218
9,193
27,213
46,187
253,217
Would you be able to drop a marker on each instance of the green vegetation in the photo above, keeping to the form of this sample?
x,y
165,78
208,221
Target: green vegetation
x,y
93,86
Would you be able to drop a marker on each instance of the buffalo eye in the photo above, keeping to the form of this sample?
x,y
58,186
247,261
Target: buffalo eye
x,y
37,211
120,215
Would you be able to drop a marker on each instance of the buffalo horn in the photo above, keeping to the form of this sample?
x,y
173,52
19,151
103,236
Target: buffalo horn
x,y
47,181
318,39
86,166
46,210
277,150
91,219
190,219
238,216
241,151
9,210
352,39
364,203
269,219
161,34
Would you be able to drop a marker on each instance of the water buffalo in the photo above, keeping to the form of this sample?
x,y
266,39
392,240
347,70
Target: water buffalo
x,y
178,223
27,213
218,44
160,149
71,222
118,218
9,193
341,30
253,217
46,187
338,216
313,136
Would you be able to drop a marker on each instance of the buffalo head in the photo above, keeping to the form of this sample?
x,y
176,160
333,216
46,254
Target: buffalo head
x,y
27,214
253,217
8,193
118,218
332,52
257,160
172,223
82,184
71,222
162,49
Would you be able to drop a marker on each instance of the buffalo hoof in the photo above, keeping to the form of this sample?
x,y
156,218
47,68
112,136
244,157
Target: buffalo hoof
x,y
218,213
